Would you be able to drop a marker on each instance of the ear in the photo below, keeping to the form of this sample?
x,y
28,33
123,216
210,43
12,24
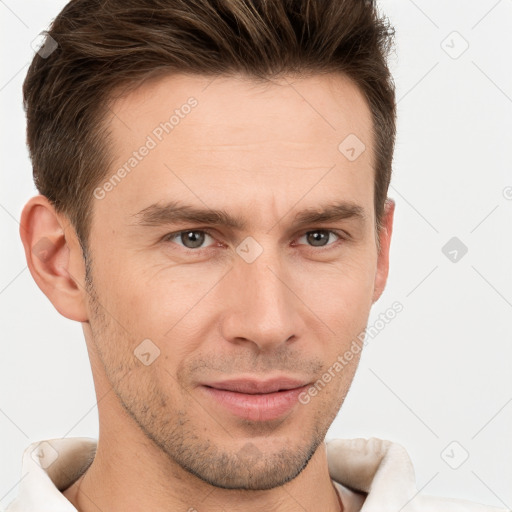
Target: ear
x,y
385,241
54,257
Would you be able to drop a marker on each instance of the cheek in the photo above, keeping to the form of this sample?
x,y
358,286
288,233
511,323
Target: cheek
x,y
143,305
340,293
344,306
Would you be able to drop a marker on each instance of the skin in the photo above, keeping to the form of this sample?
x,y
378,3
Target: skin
x,y
263,153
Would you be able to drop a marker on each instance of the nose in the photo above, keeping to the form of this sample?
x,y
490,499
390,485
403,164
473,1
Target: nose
x,y
261,307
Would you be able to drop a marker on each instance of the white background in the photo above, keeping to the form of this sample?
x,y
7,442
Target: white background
x,y
441,370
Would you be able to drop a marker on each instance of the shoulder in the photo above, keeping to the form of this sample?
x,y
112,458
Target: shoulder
x,y
380,474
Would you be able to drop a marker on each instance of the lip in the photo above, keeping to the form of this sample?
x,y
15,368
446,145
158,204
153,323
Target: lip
x,y
252,386
254,399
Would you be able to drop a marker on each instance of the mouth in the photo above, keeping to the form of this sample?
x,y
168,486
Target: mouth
x,y
256,400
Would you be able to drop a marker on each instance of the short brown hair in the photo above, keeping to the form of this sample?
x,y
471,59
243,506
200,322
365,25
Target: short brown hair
x,y
107,44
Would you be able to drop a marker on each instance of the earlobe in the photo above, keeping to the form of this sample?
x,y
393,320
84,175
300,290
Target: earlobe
x,y
385,242
54,257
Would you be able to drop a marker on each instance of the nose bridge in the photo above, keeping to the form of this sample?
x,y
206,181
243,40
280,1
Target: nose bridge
x,y
263,309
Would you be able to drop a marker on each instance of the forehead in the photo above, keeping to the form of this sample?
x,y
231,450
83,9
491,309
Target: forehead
x,y
232,140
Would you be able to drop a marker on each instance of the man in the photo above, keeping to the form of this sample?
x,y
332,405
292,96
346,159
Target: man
x,y
214,211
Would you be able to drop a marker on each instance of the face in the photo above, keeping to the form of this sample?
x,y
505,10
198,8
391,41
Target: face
x,y
233,261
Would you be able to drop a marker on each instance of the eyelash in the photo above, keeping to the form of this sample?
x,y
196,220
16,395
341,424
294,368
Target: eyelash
x,y
171,236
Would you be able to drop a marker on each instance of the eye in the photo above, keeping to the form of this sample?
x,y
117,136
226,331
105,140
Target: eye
x,y
190,239
194,239
320,237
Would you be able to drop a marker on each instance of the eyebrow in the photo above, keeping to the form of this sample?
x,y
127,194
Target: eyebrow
x,y
174,212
